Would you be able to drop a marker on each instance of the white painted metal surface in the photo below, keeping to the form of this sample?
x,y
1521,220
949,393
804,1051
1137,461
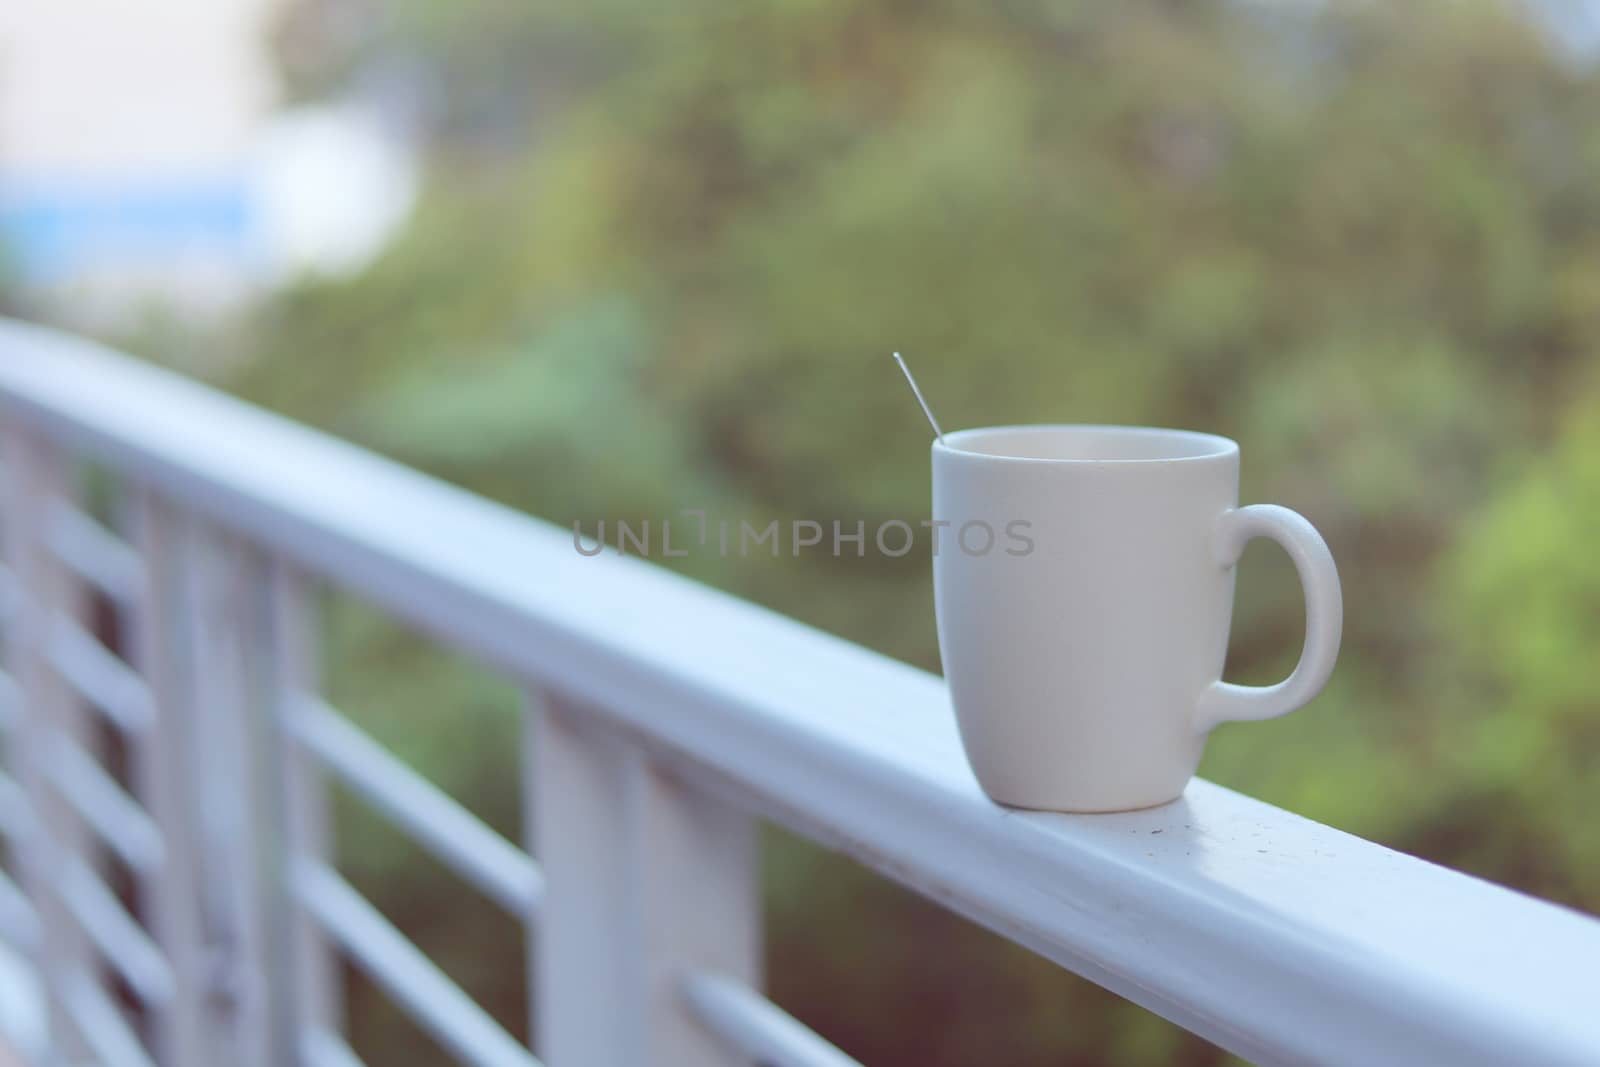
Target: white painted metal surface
x,y
97,1018
97,676
100,800
397,965
648,881
754,1026
22,1007
309,991
220,634
121,941
36,479
19,923
95,554
184,1032
322,1049
434,820
681,712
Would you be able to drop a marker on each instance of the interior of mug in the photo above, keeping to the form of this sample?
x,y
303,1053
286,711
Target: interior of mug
x,y
1102,444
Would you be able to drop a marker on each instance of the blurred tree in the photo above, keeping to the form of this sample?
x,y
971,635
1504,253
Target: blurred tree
x,y
1521,593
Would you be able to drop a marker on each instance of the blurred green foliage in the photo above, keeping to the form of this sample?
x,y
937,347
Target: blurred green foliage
x,y
665,251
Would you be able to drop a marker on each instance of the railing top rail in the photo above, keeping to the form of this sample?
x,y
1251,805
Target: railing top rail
x,y
1274,936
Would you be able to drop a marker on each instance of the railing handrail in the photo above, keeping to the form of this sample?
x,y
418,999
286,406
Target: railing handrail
x,y
1274,936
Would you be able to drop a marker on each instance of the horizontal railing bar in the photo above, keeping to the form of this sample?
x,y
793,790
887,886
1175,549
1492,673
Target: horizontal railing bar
x,y
1275,937
101,1025
756,1028
415,981
19,921
120,821
432,817
94,553
121,940
99,676
323,1049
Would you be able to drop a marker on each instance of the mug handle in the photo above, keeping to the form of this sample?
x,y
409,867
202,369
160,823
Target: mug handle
x,y
1224,701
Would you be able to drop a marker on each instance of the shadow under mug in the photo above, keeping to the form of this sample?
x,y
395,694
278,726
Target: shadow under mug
x,y
1084,592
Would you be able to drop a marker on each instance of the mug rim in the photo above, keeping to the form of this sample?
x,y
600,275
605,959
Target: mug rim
x,y
1215,445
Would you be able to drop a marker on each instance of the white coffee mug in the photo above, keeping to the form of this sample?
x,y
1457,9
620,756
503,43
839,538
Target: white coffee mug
x,y
1083,579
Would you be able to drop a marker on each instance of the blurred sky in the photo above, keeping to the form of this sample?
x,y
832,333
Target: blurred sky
x,y
145,153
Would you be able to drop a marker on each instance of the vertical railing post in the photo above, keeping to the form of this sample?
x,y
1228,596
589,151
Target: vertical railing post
x,y
162,768
220,633
19,922
647,880
309,995
38,477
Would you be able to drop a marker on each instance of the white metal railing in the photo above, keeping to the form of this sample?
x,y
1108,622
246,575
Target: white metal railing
x,y
663,719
